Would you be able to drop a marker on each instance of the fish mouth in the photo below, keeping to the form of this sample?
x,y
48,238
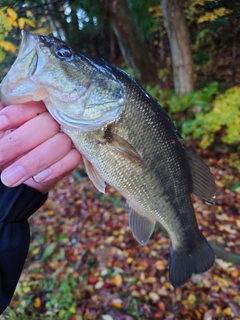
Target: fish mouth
x,y
28,44
19,85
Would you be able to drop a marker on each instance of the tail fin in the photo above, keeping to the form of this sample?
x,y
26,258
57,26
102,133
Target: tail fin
x,y
183,264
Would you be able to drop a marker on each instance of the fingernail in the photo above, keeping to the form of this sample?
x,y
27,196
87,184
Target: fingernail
x,y
12,175
3,122
43,175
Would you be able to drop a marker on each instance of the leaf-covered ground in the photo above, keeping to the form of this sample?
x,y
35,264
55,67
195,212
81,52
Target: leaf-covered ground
x,y
84,263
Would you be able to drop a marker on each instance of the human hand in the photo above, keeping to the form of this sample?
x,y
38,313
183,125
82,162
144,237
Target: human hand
x,y
32,145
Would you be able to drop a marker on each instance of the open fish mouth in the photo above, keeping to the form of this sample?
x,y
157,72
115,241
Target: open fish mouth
x,y
21,83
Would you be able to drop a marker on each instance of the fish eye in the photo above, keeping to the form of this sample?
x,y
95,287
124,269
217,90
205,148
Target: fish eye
x,y
63,52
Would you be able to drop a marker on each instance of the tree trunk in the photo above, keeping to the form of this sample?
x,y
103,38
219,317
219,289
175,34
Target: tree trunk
x,y
132,48
179,40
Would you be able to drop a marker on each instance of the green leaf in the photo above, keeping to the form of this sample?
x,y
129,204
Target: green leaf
x,y
49,250
234,186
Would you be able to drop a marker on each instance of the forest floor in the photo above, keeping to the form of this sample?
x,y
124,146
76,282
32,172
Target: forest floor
x,y
84,262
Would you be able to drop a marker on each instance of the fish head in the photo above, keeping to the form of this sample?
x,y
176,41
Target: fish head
x,y
78,91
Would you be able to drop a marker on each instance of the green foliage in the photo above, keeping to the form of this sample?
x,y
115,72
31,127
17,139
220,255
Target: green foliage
x,y
224,118
234,161
115,202
130,71
235,186
203,113
195,101
146,23
64,299
60,298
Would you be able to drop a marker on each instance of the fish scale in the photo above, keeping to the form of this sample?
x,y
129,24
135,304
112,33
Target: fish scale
x,y
126,140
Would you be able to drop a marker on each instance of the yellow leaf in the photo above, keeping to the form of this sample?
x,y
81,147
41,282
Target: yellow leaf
x,y
191,298
30,22
235,273
185,303
29,13
116,280
8,46
228,312
21,23
37,302
15,25
220,12
154,296
223,281
215,288
198,314
117,303
72,309
12,14
238,223
26,289
54,264
129,260
35,251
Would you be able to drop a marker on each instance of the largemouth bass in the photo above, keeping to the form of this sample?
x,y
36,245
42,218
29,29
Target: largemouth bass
x,y
126,139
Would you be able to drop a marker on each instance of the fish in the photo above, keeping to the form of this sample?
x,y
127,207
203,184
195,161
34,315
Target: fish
x,y
126,140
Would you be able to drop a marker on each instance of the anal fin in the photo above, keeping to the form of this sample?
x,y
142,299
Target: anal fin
x,y
94,175
142,226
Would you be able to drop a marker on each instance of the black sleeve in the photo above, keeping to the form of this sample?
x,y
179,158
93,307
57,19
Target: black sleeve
x,y
16,206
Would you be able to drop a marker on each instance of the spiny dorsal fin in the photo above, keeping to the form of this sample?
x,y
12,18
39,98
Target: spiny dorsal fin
x,y
142,226
118,144
203,181
94,175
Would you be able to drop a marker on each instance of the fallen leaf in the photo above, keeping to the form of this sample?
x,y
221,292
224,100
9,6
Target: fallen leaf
x,y
116,280
37,302
235,307
191,298
106,317
208,315
154,296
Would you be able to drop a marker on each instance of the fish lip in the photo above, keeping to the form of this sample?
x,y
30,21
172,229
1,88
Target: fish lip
x,y
28,42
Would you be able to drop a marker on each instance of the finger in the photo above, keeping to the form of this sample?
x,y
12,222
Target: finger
x,y
26,137
15,115
44,187
37,160
60,168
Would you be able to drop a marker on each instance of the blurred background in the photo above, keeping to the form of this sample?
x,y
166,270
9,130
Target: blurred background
x,y
83,261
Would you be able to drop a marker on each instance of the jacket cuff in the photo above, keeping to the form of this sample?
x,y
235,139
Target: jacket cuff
x,y
19,203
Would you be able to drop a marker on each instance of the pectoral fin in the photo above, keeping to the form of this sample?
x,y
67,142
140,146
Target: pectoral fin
x,y
203,181
142,226
94,175
118,144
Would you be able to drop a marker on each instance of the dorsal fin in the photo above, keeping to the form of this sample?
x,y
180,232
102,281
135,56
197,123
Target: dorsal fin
x,y
203,181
